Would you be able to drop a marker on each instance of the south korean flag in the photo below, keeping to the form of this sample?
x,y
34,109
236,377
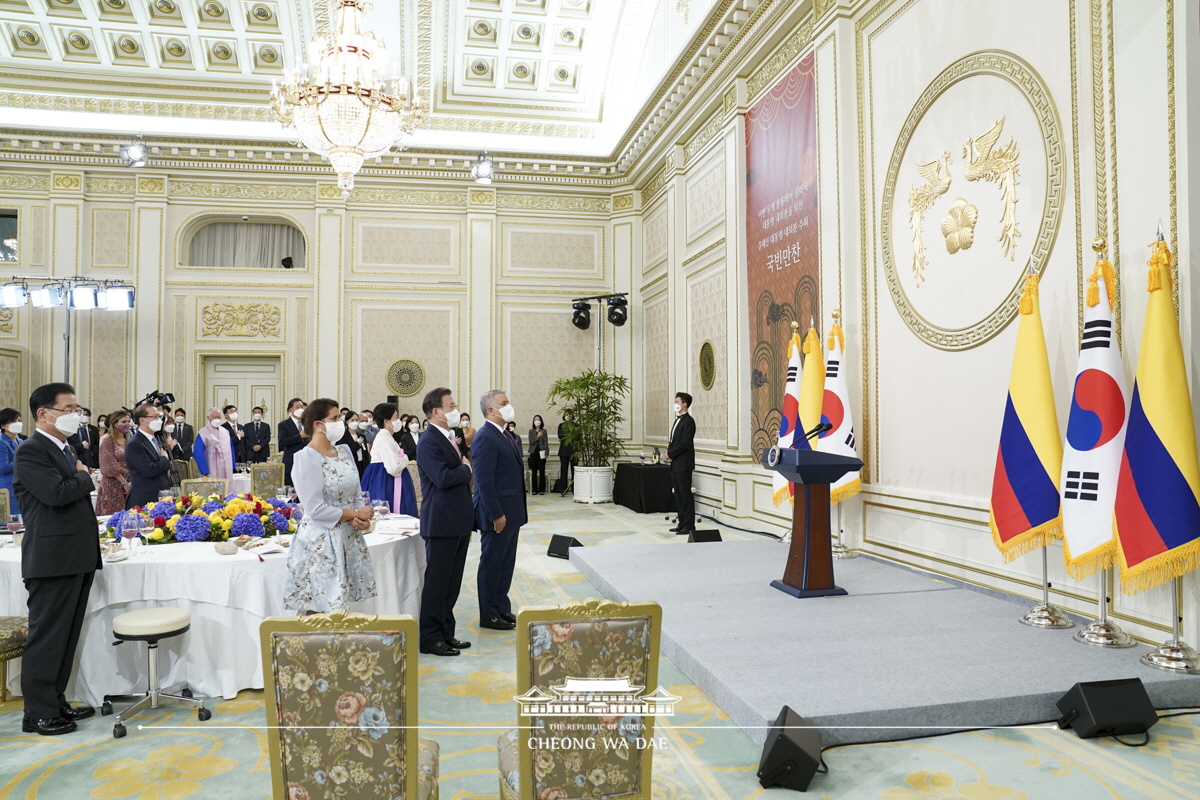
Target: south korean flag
x,y
836,411
1095,435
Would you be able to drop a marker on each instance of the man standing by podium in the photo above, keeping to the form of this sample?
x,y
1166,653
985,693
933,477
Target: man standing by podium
x,y
681,455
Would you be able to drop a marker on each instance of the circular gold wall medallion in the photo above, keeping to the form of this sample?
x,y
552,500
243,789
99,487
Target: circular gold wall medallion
x,y
482,28
261,13
521,70
479,67
268,54
78,40
708,365
405,377
165,6
212,8
222,51
128,45
28,37
983,137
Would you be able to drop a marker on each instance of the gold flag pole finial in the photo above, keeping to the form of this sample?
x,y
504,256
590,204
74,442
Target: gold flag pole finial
x,y
1162,234
1099,245
795,325
837,315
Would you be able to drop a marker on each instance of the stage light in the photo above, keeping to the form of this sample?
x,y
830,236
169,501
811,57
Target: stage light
x,y
85,296
582,318
618,311
49,295
134,154
483,171
14,294
117,298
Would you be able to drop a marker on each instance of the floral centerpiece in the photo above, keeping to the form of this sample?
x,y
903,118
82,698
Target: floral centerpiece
x,y
197,518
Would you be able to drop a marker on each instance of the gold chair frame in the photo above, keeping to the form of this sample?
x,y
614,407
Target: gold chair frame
x,y
5,507
8,655
205,486
342,622
265,478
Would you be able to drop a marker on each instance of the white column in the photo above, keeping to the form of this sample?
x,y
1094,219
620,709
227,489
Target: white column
x,y
330,302
482,324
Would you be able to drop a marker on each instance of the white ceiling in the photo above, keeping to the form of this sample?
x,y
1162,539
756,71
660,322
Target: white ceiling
x,y
519,76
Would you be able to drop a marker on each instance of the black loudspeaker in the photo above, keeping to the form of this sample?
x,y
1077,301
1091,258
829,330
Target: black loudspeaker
x,y
704,536
560,546
792,753
393,399
1107,708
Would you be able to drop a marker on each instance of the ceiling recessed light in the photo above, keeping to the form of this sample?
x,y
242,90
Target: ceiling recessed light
x,y
78,40
568,35
261,13
117,4
222,51
525,31
480,67
521,70
268,54
165,6
212,8
483,28
176,48
127,44
27,36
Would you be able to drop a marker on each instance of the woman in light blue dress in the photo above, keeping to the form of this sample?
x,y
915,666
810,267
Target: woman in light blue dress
x,y
10,426
328,563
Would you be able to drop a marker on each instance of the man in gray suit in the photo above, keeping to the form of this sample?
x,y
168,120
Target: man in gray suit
x,y
59,557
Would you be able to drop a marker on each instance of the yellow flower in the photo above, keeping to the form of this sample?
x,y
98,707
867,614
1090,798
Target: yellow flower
x,y
265,518
168,773
179,506
488,685
227,524
291,527
158,534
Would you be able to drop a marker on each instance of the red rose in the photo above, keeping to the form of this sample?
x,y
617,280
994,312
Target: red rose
x,y
160,522
187,501
286,511
258,509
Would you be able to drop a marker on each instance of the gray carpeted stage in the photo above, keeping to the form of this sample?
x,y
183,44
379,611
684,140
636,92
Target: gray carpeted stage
x,y
904,649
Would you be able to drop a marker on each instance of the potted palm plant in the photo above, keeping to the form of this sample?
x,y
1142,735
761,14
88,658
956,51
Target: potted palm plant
x,y
595,400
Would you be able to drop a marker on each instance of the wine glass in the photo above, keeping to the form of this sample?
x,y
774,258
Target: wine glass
x,y
381,508
14,525
129,530
291,492
165,494
145,528
283,493
365,497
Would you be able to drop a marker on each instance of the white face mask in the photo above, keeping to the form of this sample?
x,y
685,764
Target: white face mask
x,y
156,424
334,431
169,428
298,413
453,418
233,416
537,423
15,427
508,413
216,423
68,424
354,425
463,421
179,420
414,426
678,408
258,417
83,420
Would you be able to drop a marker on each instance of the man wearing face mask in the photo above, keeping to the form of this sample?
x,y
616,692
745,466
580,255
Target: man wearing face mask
x,y
681,454
59,558
500,511
185,434
213,450
258,438
446,522
149,466
237,433
290,438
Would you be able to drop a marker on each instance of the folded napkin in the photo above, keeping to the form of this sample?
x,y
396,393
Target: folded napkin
x,y
397,525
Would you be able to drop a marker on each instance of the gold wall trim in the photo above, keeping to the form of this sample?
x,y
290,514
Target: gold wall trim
x,y
544,202
660,178
243,191
718,243
782,60
416,197
706,134
25,183
109,186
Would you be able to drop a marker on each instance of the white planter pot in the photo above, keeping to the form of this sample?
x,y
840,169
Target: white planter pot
x,y
593,484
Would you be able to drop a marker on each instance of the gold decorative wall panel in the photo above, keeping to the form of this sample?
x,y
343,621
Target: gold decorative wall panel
x,y
25,183
656,366
111,237
387,245
12,394
108,335
410,197
706,197
243,191
35,243
544,202
8,323
387,332
655,244
565,251
109,186
707,307
223,320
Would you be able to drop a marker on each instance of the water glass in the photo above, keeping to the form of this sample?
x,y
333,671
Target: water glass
x,y
365,497
166,494
283,493
291,492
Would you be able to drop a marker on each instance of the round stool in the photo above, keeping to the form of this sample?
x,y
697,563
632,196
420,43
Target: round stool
x,y
150,625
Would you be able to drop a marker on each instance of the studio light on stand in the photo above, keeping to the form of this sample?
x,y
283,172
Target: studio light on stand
x,y
483,170
49,296
14,295
582,318
84,297
135,154
117,297
618,310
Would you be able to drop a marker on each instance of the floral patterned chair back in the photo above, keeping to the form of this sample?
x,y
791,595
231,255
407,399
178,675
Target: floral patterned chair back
x,y
340,690
265,479
5,507
205,486
584,672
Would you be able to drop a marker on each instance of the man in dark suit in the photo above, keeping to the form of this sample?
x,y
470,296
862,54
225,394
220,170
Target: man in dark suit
x,y
90,435
185,434
566,456
681,454
258,438
149,464
447,520
499,508
237,434
290,440
59,558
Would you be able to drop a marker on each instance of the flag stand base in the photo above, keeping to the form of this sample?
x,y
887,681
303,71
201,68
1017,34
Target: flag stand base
x,y
1102,633
1174,656
1044,615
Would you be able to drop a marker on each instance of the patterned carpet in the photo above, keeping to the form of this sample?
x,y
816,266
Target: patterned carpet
x,y
465,701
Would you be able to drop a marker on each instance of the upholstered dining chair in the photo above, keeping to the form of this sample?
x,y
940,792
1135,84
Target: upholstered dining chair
x,y
341,696
5,507
205,486
265,478
600,724
13,632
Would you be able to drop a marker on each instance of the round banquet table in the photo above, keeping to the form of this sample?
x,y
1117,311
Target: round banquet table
x,y
228,597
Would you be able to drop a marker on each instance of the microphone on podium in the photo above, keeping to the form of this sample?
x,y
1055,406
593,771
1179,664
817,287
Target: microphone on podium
x,y
818,429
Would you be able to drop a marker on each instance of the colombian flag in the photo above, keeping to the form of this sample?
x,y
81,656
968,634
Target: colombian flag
x,y
1025,507
1157,516
781,486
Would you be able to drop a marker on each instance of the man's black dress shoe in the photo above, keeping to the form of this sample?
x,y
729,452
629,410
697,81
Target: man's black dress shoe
x,y
54,726
73,713
497,624
458,644
439,649
684,531
510,617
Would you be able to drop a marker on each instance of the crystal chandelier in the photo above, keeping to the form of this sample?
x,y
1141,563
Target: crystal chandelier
x,y
340,107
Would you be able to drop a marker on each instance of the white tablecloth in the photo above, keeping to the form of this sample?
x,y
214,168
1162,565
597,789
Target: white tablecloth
x,y
228,597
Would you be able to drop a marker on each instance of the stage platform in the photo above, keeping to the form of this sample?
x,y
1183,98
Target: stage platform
x,y
902,653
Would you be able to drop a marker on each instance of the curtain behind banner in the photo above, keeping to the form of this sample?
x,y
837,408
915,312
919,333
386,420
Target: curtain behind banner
x,y
781,237
246,245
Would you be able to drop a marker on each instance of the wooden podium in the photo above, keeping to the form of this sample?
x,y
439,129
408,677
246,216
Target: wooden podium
x,y
809,570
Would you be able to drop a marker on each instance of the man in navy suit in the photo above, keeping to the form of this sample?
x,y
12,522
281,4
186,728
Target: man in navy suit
x,y
446,522
499,508
258,438
149,466
290,440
